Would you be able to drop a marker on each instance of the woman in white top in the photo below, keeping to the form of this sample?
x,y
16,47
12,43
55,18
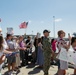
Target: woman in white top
x,y
63,65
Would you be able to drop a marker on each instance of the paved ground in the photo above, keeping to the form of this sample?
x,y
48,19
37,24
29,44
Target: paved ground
x,y
33,70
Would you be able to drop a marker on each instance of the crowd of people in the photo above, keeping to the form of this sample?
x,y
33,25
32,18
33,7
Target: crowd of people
x,y
42,51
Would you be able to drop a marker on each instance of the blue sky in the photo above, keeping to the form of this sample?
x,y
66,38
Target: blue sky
x,y
40,14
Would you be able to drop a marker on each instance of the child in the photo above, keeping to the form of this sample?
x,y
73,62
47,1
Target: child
x,y
11,59
61,43
2,52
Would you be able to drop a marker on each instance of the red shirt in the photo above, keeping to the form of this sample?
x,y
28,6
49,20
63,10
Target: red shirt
x,y
54,45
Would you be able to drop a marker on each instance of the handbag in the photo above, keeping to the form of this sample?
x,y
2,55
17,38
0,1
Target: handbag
x,y
63,55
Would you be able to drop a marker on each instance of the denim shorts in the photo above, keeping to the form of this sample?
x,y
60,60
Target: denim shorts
x,y
11,59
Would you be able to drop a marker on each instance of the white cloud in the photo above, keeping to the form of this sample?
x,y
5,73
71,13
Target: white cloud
x,y
58,20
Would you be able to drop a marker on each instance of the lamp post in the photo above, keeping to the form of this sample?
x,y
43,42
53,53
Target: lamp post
x,y
54,25
0,26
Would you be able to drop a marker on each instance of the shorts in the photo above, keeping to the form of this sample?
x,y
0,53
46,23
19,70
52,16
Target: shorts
x,y
63,65
11,59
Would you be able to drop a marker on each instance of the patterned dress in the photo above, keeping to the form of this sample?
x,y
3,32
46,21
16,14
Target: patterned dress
x,y
40,58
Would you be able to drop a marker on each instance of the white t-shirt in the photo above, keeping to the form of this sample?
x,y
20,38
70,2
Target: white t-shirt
x,y
10,44
5,44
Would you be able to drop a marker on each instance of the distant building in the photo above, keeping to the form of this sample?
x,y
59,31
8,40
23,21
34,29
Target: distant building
x,y
25,36
32,36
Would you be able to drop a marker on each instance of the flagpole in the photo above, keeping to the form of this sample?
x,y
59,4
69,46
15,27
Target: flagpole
x,y
26,27
0,22
54,25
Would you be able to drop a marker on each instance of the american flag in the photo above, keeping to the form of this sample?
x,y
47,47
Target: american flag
x,y
0,19
23,25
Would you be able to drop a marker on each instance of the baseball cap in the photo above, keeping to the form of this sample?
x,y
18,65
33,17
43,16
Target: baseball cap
x,y
46,31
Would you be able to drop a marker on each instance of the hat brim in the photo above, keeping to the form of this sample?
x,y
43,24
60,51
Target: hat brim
x,y
49,31
46,31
